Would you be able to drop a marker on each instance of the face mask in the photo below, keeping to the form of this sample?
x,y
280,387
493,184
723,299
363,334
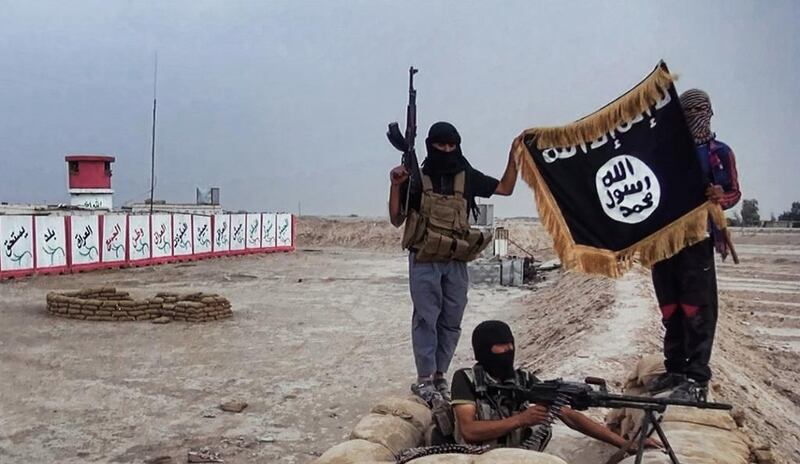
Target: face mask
x,y
488,333
441,162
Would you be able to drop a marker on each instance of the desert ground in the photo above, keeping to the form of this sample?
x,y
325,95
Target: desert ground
x,y
320,335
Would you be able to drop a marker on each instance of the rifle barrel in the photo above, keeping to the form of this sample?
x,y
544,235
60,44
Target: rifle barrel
x,y
643,400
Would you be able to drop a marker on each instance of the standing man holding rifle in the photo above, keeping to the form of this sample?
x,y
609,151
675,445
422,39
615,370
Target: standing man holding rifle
x,y
686,284
434,203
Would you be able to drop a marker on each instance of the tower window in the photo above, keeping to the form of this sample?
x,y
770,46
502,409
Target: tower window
x,y
73,167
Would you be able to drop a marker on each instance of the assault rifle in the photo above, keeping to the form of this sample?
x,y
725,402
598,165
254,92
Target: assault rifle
x,y
405,143
581,396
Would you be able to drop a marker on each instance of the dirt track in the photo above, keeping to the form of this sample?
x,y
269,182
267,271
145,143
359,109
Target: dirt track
x,y
319,335
308,356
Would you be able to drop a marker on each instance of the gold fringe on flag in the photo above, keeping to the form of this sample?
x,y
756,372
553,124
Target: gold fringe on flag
x,y
625,108
685,231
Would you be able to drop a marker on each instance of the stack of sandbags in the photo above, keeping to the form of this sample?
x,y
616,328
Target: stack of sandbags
x,y
106,304
396,424
626,421
393,425
101,304
195,307
203,308
496,456
356,451
698,436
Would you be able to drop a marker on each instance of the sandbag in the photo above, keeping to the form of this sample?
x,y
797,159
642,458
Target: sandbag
x,y
417,414
698,436
516,456
354,452
392,432
652,457
708,417
445,459
573,446
647,369
703,444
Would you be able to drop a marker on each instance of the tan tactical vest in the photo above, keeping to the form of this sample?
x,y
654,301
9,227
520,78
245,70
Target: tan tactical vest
x,y
440,231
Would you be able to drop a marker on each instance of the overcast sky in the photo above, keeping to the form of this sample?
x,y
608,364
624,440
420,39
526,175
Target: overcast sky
x,y
280,102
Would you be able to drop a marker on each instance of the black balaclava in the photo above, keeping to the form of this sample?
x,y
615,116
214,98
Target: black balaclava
x,y
439,162
486,334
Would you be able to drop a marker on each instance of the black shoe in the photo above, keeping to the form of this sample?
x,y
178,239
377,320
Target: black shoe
x,y
666,381
691,390
426,391
442,387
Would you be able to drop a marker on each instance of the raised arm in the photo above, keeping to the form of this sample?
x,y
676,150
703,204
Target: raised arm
x,y
509,179
398,176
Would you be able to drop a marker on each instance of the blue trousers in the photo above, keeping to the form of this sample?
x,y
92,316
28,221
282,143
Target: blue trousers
x,y
439,294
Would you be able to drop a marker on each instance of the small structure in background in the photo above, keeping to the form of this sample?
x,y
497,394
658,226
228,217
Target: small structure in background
x,y
90,181
208,196
207,203
501,242
497,266
161,206
485,217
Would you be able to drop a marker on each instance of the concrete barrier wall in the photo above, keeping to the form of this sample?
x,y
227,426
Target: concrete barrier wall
x,y
284,228
17,257
51,243
253,223
222,234
203,235
238,233
161,237
182,235
62,244
84,241
139,245
114,248
268,233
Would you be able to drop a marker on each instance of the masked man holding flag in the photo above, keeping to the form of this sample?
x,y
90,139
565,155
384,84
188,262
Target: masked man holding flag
x,y
686,283
440,243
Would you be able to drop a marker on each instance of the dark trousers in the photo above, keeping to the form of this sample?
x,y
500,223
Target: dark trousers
x,y
686,289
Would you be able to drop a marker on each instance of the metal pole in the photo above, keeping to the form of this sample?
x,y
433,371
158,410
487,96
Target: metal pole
x,y
153,136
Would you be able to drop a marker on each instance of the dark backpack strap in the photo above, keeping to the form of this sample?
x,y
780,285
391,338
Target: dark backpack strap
x,y
525,378
427,184
479,380
458,183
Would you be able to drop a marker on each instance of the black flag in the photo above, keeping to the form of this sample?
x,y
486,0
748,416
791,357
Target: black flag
x,y
621,184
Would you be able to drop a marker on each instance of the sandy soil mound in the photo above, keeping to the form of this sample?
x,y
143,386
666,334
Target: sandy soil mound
x,y
585,325
364,233
527,235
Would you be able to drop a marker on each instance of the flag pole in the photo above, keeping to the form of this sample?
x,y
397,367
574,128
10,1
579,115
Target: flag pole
x,y
153,134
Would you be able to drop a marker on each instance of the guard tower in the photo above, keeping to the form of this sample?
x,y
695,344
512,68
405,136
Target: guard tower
x,y
90,181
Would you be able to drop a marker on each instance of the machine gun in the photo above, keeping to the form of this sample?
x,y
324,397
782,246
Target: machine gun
x,y
405,143
581,396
